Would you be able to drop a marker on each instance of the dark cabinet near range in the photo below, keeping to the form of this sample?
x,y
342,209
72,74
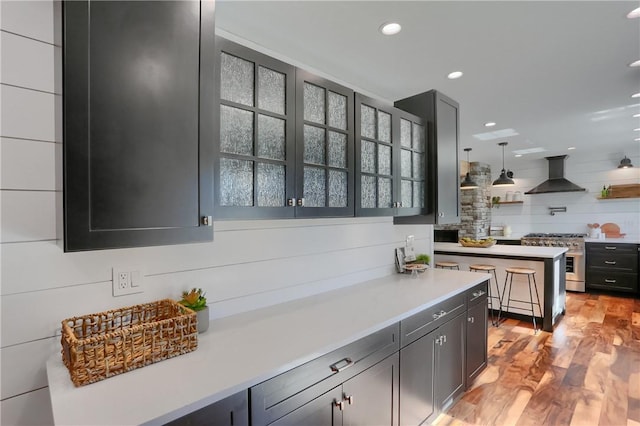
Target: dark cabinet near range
x,y
442,195
612,266
231,411
138,135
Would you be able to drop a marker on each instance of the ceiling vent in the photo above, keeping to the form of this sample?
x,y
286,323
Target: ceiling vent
x,y
556,181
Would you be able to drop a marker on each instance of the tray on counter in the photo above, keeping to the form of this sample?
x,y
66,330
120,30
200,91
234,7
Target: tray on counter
x,y
482,244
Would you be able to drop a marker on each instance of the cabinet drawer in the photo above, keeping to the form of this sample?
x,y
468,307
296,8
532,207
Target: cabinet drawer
x,y
613,261
618,248
612,280
282,394
477,294
423,322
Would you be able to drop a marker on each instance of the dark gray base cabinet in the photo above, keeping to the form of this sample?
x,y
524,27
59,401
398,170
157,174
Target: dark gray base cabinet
x,y
612,266
231,411
370,398
477,333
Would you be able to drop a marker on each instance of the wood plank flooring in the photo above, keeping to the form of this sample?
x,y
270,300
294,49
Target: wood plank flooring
x,y
586,373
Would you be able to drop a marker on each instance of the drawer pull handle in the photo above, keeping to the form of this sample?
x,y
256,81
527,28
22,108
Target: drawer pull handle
x,y
607,280
341,365
439,315
470,319
610,262
339,404
478,293
609,248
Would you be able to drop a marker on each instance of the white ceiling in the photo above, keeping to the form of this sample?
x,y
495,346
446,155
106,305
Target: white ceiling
x,y
554,71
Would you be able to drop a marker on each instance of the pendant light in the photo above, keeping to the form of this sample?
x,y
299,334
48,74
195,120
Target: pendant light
x,y
625,163
505,175
468,183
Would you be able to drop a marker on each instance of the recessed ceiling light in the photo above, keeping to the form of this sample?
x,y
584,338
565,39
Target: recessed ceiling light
x,y
571,148
496,134
637,130
529,150
635,13
454,75
390,28
489,124
637,139
636,95
636,115
635,64
518,155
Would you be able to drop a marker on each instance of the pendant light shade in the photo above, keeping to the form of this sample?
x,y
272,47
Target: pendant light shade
x,y
505,175
625,163
468,183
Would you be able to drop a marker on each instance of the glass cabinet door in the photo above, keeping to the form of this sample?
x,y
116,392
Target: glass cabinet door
x,y
376,180
412,164
255,150
324,130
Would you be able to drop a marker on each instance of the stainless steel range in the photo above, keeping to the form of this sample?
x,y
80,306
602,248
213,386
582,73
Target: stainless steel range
x,y
575,255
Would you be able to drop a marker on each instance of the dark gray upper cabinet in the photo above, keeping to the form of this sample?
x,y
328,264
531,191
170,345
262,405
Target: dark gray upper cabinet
x,y
325,147
138,100
390,150
442,202
255,144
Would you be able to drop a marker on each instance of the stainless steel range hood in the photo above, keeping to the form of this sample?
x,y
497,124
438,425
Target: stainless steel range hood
x,y
556,181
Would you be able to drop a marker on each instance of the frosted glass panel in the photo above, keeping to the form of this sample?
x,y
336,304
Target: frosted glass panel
x,y
368,192
405,133
314,187
337,188
384,192
418,137
405,163
384,159
236,80
418,194
271,90
384,126
314,103
368,122
270,185
270,137
418,172
337,111
337,149
314,146
368,160
407,193
236,130
236,182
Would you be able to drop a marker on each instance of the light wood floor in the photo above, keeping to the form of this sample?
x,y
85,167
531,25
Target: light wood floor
x,y
586,373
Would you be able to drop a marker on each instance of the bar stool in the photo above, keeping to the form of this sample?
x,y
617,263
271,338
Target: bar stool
x,y
479,267
530,274
447,265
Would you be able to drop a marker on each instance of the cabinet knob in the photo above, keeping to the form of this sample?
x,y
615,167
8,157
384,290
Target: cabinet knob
x,y
291,202
300,202
339,404
207,220
441,214
349,399
470,319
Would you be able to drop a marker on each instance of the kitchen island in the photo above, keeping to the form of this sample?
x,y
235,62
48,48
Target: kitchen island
x,y
244,350
548,262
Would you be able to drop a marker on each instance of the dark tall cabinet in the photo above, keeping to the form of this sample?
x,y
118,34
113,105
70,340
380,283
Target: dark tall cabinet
x,y
138,100
442,195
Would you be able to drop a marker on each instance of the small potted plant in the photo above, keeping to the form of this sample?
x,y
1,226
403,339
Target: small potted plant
x,y
425,259
196,300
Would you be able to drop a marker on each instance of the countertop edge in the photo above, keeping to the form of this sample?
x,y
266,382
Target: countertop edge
x,y
361,323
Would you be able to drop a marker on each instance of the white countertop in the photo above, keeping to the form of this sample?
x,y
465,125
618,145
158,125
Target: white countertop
x,y
499,250
243,350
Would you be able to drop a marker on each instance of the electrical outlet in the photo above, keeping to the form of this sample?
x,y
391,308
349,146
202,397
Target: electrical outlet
x,y
126,282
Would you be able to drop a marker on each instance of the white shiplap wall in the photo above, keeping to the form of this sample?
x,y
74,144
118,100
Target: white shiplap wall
x,y
250,263
587,171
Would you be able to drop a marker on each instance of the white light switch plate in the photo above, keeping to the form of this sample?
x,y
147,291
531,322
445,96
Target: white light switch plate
x,y
127,281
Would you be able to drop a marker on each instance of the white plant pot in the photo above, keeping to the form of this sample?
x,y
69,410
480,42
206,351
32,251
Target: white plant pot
x,y
203,320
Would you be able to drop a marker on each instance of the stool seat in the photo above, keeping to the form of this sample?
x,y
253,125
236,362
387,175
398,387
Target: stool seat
x,y
481,267
445,264
519,270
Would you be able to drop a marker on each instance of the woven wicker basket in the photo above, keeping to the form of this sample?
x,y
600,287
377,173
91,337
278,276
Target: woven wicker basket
x,y
102,345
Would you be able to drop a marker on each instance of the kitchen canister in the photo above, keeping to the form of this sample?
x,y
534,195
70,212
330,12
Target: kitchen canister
x,y
508,196
517,196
